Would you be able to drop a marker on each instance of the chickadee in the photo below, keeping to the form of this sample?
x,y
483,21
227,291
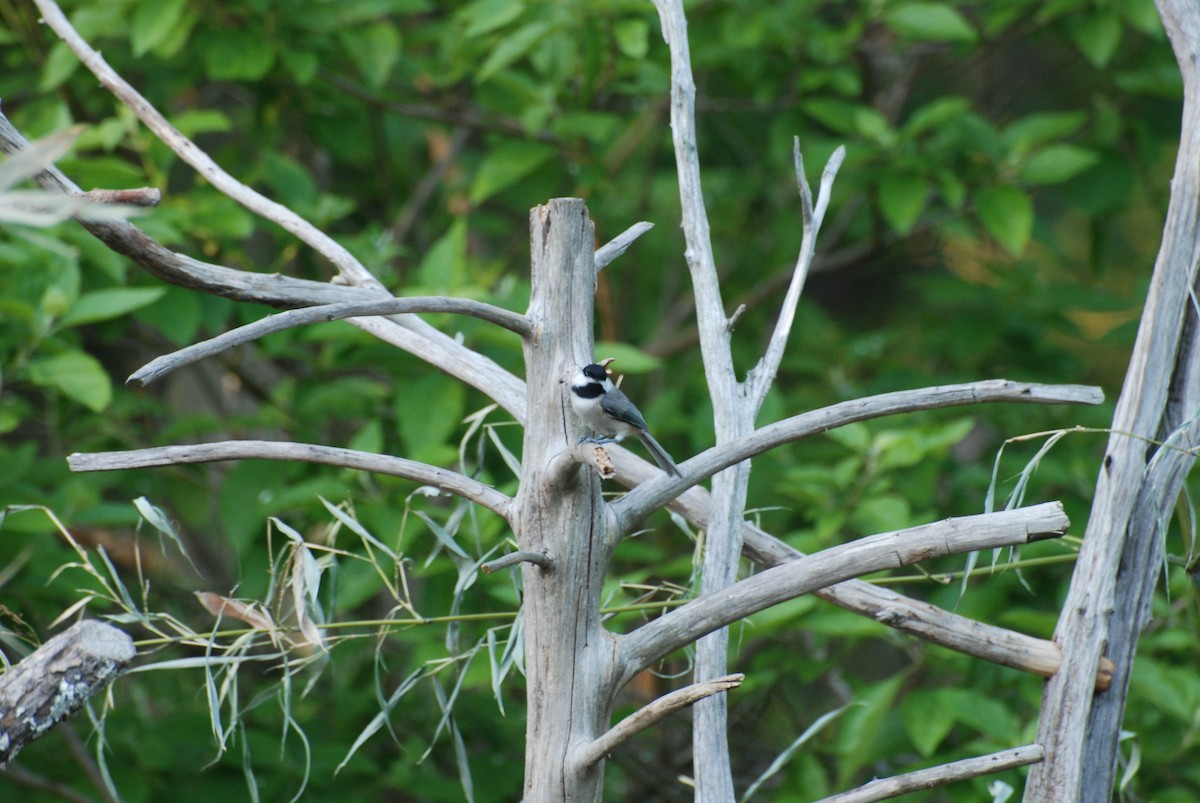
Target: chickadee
x,y
610,414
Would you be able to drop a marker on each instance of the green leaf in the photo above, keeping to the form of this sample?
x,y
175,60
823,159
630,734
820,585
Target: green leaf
x,y
882,513
153,22
1098,36
627,359
931,21
76,375
445,261
901,200
856,436
512,48
60,65
872,125
926,721
1057,163
200,121
237,54
862,726
933,114
428,413
302,65
374,49
103,305
837,115
290,180
484,16
1007,214
984,714
1035,129
632,37
506,165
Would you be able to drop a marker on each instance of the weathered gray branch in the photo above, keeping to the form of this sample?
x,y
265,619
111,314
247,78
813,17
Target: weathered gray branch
x,y
884,605
449,481
141,196
884,788
653,713
682,626
1119,564
619,244
58,679
160,366
647,497
516,559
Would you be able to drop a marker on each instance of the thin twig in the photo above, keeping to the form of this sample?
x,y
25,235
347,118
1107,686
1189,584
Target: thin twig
x,y
884,788
449,481
349,267
31,780
513,558
414,205
87,762
638,503
329,312
652,714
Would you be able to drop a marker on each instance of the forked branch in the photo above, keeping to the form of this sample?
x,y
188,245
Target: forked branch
x,y
763,375
877,603
682,626
406,332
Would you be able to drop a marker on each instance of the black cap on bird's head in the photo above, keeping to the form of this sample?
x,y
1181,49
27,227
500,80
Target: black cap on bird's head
x,y
595,372
598,371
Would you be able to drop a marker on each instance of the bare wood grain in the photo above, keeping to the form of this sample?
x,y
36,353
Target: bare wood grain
x,y
58,679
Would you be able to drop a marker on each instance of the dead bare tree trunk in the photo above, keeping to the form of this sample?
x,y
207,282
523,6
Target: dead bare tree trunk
x,y
1148,456
569,655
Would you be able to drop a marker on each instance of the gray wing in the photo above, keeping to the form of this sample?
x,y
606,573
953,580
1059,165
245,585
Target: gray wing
x,y
617,404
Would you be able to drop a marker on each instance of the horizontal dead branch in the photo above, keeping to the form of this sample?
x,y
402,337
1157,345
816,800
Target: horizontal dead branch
x,y
443,479
653,713
640,502
328,312
884,788
685,624
58,679
915,617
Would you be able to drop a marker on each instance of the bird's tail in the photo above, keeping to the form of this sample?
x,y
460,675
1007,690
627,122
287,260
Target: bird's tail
x,y
659,454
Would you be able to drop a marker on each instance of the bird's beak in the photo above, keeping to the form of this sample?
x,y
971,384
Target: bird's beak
x,y
604,363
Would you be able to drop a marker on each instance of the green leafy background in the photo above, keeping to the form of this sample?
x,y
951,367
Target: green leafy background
x,y
997,215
